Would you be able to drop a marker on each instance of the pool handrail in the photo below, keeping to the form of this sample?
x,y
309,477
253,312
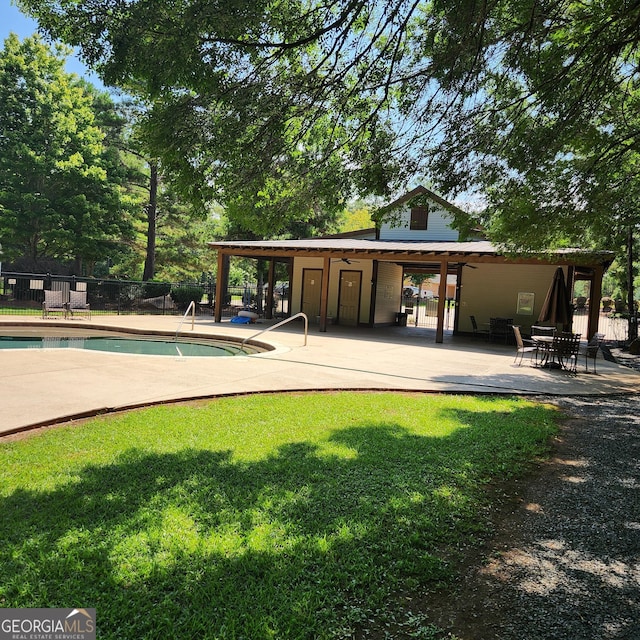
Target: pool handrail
x,y
279,324
192,308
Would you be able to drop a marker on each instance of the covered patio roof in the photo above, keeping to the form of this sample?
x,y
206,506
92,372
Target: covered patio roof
x,y
405,251
438,257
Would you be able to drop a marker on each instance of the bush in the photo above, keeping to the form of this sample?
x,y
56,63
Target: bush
x,y
155,289
182,295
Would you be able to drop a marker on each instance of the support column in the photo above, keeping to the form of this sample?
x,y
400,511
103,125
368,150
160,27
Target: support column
x,y
442,298
594,301
571,283
270,284
324,296
221,286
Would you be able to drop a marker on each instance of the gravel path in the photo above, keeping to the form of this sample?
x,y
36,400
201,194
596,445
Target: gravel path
x,y
565,562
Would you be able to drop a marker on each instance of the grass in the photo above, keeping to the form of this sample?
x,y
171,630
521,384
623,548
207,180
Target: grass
x,y
271,516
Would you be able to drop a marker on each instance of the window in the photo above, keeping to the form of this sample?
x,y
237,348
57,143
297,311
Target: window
x,y
419,216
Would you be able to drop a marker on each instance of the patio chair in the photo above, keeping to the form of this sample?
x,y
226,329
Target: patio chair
x,y
591,350
537,330
500,328
523,346
478,332
78,305
54,302
567,347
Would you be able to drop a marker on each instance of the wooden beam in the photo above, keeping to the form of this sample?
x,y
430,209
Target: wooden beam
x,y
404,256
324,296
270,284
594,302
571,281
221,287
373,293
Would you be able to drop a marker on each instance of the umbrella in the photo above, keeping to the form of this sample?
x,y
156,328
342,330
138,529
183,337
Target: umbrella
x,y
556,308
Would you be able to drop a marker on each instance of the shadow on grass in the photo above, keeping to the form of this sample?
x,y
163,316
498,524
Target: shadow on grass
x,y
306,543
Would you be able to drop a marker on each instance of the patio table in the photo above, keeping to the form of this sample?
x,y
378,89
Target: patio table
x,y
547,352
558,352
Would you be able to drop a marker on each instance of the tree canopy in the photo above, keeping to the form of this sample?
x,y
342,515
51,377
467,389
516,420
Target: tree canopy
x,y
533,103
56,197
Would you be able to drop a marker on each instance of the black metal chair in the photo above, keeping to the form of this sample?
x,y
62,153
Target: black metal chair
x,y
500,328
478,332
538,330
591,350
566,348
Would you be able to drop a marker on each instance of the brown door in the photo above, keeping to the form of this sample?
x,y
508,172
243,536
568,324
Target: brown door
x,y
349,298
311,292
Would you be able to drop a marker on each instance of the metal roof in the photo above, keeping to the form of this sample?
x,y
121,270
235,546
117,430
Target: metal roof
x,y
402,250
355,244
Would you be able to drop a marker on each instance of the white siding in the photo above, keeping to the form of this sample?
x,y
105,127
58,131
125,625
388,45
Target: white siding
x,y
388,293
438,226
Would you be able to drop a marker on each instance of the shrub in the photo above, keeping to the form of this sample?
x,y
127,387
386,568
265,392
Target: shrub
x,y
182,295
155,289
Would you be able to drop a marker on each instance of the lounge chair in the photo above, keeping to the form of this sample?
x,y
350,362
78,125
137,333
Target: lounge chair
x,y
78,304
54,302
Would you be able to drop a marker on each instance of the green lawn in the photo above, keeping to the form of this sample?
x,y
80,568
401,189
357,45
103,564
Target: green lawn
x,y
270,516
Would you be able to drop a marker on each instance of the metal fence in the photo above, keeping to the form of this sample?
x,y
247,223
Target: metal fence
x,y
423,312
23,294
614,325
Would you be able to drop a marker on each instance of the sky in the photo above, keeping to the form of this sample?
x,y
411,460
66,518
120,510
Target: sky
x,y
13,20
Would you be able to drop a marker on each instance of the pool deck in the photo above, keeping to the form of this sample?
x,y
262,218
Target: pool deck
x,y
46,386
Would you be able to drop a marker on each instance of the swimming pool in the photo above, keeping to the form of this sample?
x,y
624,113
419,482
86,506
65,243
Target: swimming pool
x,y
117,342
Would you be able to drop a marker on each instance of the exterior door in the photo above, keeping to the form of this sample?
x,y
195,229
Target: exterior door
x,y
349,298
311,292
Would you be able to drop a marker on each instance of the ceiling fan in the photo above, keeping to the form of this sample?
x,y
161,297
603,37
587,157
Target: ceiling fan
x,y
346,260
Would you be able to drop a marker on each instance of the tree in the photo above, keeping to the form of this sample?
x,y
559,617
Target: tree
x,y
493,96
56,196
229,117
355,217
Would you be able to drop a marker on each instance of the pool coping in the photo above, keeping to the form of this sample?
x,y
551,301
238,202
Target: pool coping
x,y
42,389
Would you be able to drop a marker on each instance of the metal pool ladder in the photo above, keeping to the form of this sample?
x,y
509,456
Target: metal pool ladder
x,y
192,308
279,324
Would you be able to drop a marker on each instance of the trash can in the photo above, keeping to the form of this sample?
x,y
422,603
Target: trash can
x,y
401,319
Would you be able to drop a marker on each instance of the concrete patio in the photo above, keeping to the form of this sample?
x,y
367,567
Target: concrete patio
x,y
45,386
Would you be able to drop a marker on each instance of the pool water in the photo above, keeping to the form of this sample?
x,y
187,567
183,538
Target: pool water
x,y
155,346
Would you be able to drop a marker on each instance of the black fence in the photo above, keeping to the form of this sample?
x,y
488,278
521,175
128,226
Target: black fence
x,y
23,294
